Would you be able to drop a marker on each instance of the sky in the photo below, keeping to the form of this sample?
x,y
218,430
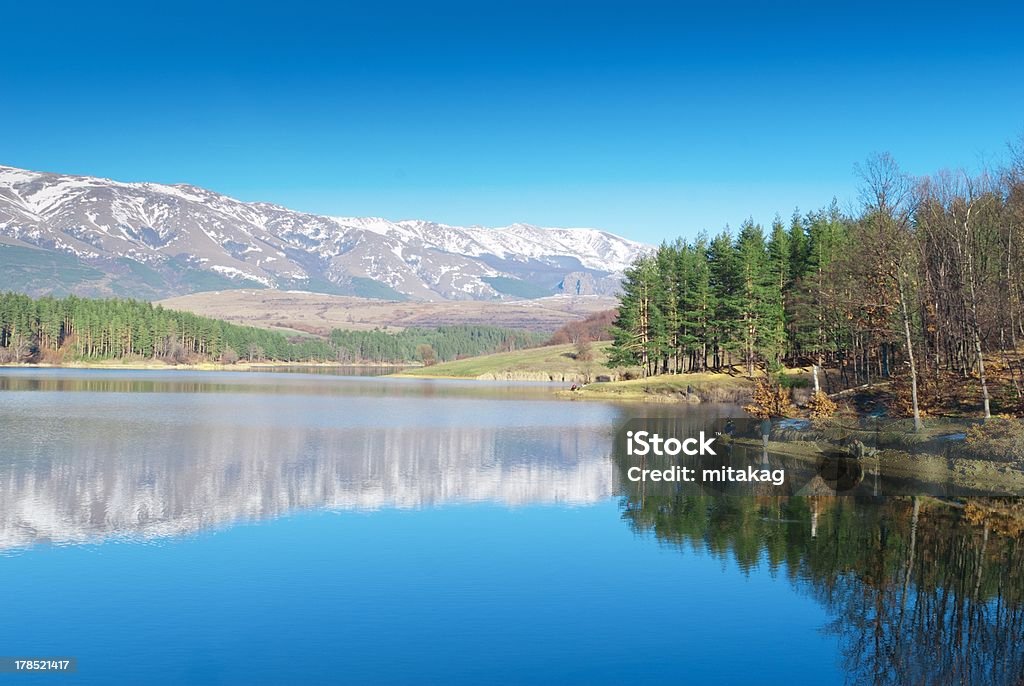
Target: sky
x,y
650,120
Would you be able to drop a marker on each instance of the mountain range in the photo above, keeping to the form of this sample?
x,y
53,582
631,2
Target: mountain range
x,y
90,236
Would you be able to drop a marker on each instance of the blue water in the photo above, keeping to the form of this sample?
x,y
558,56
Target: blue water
x,y
207,528
457,594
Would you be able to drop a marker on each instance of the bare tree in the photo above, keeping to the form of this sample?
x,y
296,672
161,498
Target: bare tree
x,y
584,350
426,353
255,352
888,196
958,206
17,350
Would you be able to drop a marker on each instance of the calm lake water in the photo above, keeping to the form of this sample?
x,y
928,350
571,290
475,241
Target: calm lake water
x,y
273,528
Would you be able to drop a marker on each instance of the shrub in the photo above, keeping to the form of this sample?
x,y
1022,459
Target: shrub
x,y
770,400
426,353
820,406
584,351
997,440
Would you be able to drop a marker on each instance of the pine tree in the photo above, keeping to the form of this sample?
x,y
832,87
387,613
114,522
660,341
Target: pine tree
x,y
761,301
666,333
726,281
632,339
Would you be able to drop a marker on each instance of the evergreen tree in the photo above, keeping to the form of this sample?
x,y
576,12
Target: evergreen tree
x,y
633,333
726,281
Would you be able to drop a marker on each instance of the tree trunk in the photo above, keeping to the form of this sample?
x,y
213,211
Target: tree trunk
x,y
910,357
975,325
981,372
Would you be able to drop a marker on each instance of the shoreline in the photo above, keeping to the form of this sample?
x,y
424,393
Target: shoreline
x,y
201,366
930,468
708,388
685,389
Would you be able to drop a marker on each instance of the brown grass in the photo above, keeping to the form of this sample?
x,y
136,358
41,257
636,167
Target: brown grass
x,y
317,314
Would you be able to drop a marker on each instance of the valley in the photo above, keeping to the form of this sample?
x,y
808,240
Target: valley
x,y
318,313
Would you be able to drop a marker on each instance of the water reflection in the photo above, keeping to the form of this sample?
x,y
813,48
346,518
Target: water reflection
x,y
141,455
283,381
96,484
919,591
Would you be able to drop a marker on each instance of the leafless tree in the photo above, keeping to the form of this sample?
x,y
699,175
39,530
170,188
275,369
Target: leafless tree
x,y
890,203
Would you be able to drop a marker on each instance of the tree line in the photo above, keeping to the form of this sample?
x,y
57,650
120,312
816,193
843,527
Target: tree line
x,y
922,284
52,330
442,344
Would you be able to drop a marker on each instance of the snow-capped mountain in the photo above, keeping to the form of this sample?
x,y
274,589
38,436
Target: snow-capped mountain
x,y
153,240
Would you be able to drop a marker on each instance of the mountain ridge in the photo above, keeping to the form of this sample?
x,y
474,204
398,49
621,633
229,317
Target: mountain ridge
x,y
152,240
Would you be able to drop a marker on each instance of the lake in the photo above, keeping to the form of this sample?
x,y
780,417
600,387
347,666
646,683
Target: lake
x,y
271,528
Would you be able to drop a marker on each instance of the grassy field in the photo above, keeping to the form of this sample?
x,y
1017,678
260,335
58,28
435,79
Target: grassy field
x,y
549,363
704,387
558,363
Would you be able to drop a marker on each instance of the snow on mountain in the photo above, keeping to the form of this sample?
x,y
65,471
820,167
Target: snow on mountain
x,y
157,239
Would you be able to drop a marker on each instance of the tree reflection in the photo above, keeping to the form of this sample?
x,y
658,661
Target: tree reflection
x,y
919,591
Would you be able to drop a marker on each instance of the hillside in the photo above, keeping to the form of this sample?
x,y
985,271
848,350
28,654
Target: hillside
x,y
78,330
549,363
318,313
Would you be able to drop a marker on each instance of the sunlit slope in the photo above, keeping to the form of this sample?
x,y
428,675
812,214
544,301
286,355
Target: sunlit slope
x,y
549,363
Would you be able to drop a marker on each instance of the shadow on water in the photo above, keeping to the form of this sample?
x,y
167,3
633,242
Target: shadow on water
x,y
919,592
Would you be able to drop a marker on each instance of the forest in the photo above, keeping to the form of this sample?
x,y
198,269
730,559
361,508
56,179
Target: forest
x,y
58,330
443,344
921,286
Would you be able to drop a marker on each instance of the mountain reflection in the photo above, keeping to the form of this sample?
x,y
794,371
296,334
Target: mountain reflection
x,y
920,592
93,490
90,466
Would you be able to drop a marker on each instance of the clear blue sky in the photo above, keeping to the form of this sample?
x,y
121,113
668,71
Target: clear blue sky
x,y
650,120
